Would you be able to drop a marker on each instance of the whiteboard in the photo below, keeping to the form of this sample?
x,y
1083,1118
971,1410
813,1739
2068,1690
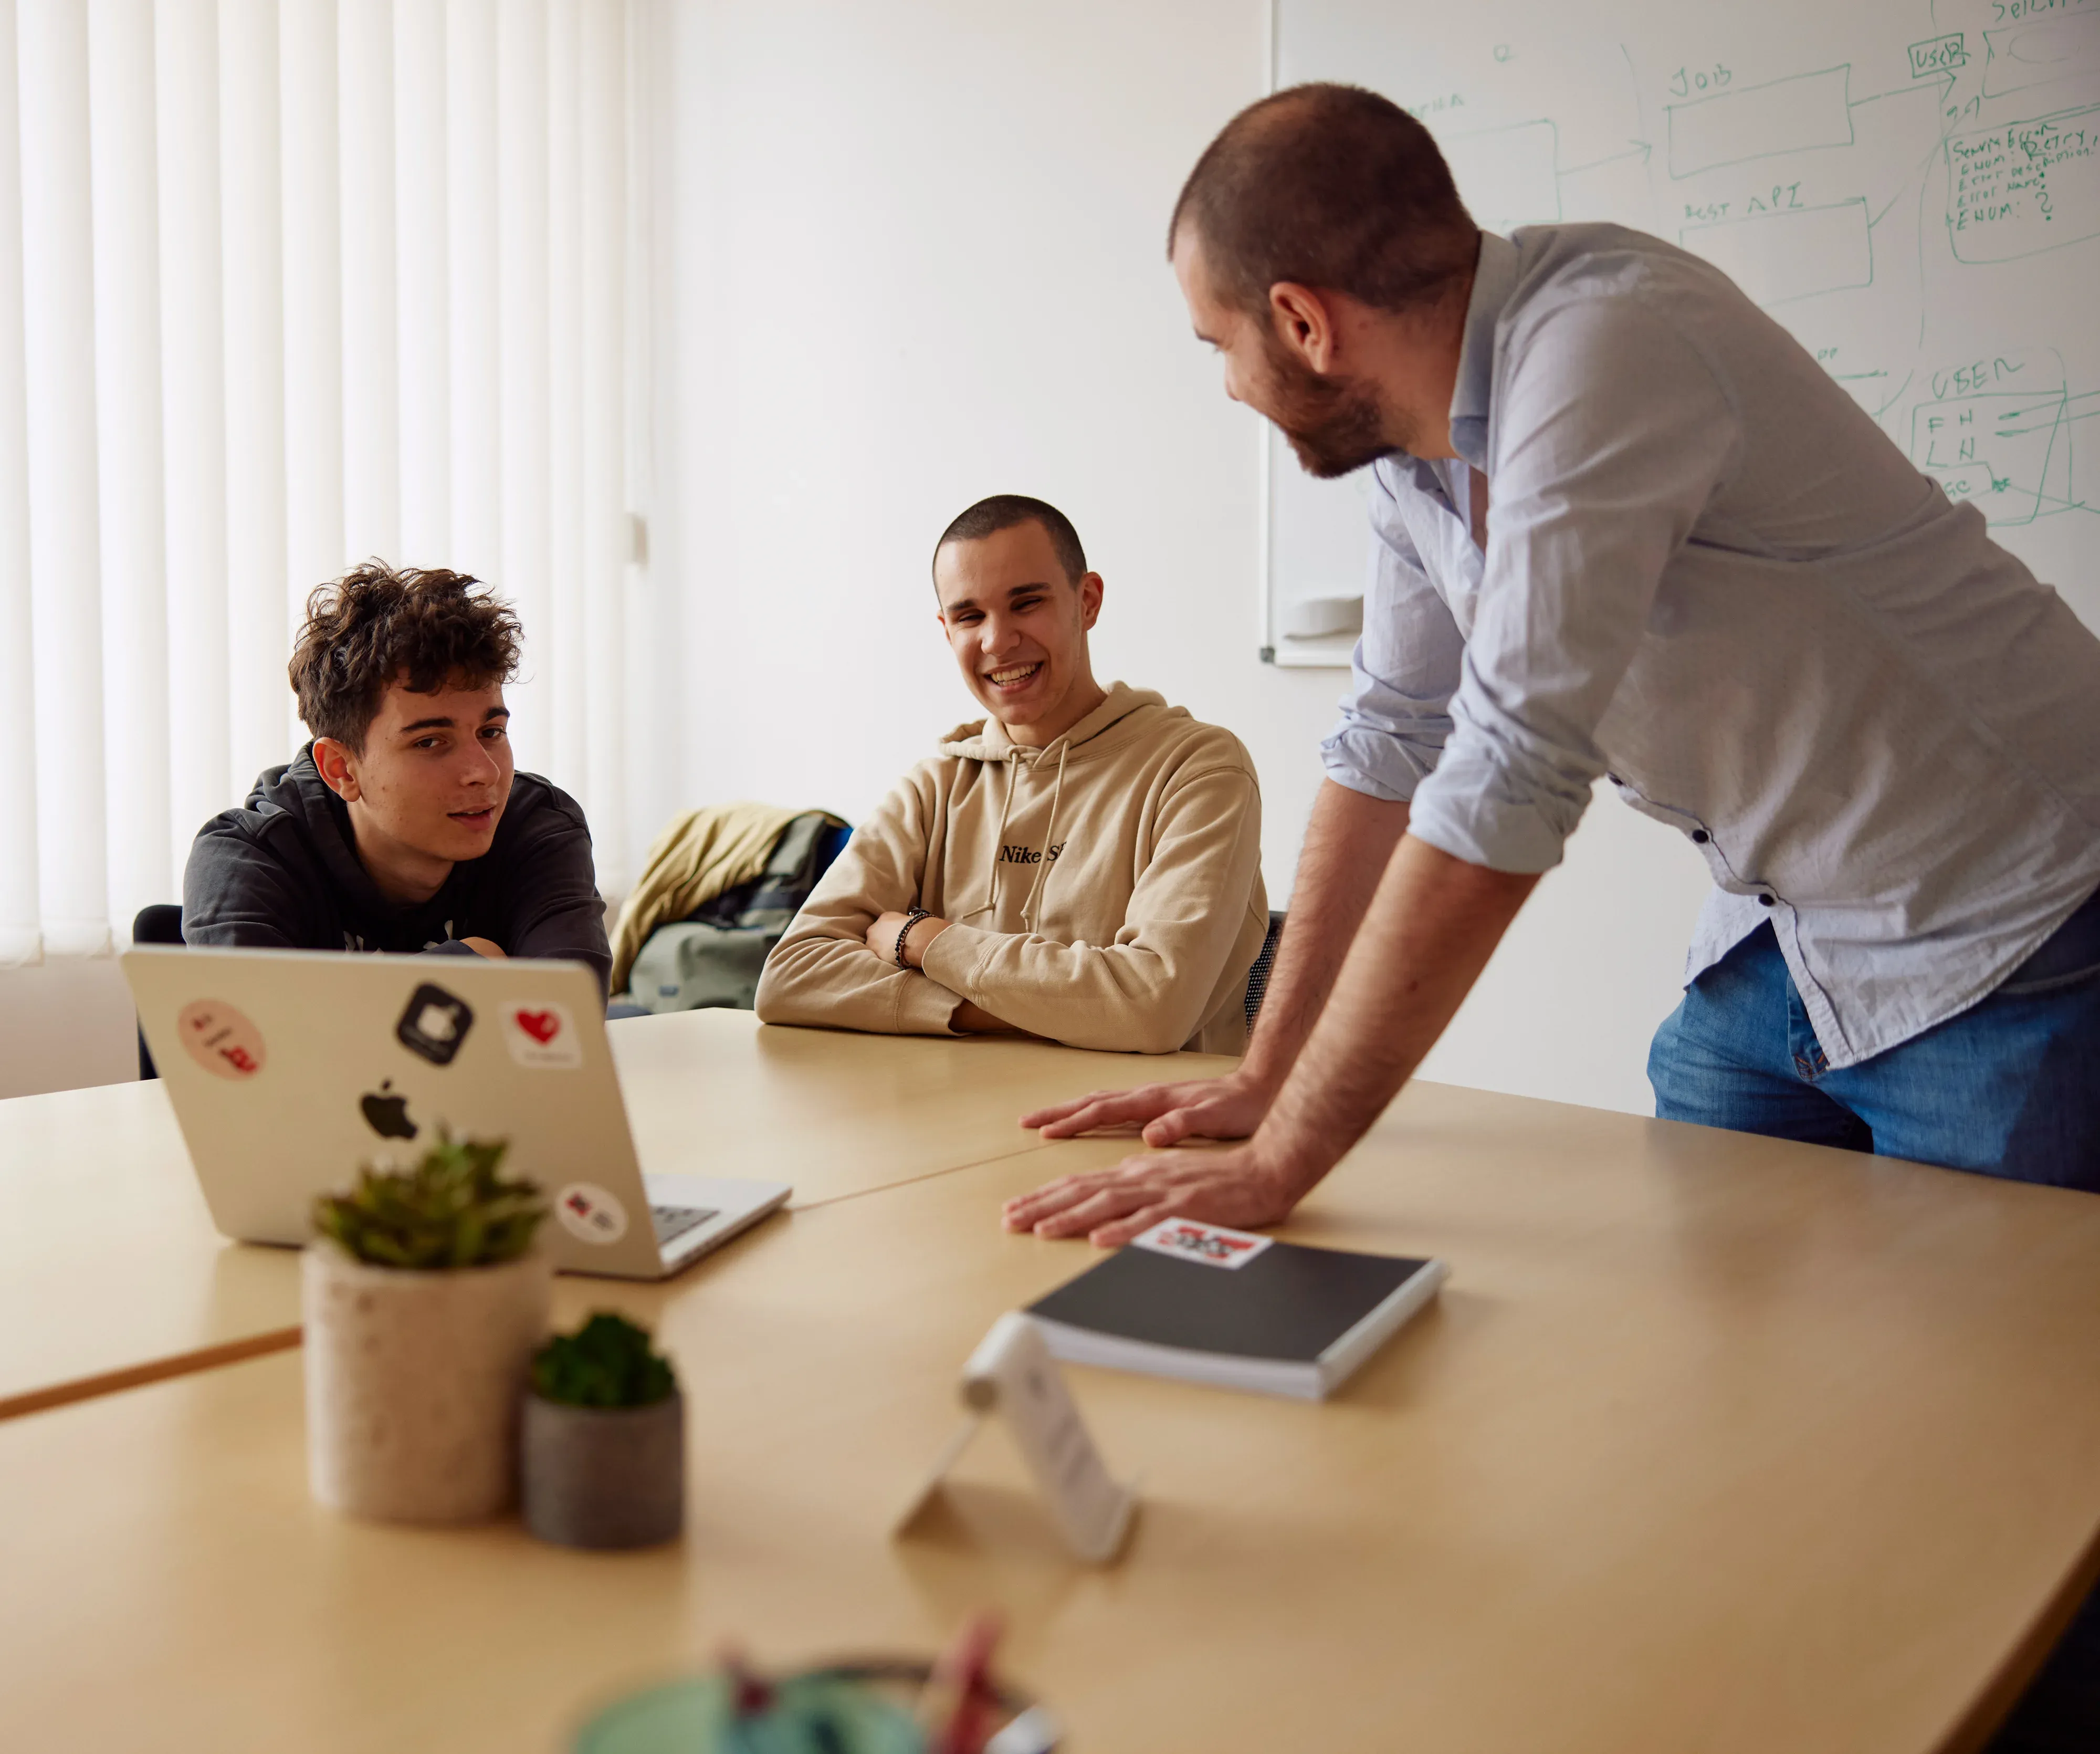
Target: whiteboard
x,y
1912,187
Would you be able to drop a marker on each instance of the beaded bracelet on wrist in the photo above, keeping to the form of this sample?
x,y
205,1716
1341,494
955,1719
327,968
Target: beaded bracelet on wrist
x,y
904,931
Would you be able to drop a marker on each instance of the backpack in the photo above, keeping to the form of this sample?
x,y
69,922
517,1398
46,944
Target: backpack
x,y
712,957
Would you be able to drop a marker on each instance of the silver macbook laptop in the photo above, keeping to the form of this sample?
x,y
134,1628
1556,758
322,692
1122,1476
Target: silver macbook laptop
x,y
289,1070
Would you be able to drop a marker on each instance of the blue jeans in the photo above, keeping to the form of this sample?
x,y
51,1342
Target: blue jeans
x,y
2010,1087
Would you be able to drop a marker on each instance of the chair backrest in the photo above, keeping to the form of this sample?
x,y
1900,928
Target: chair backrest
x,y
1257,975
160,923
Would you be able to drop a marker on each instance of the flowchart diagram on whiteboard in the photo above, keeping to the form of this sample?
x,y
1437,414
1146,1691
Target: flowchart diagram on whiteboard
x,y
1912,187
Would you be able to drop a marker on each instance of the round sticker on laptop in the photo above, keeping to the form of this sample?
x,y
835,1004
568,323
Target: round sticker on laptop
x,y
591,1213
220,1039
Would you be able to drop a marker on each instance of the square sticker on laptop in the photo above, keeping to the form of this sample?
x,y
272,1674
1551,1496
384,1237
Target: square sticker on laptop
x,y
541,1034
434,1024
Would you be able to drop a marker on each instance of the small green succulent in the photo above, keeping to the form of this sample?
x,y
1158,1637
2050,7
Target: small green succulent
x,y
607,1363
453,1209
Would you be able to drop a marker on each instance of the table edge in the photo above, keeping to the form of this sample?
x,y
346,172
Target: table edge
x,y
154,1369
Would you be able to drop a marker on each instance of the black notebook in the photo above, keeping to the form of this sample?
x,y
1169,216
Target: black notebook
x,y
1228,1307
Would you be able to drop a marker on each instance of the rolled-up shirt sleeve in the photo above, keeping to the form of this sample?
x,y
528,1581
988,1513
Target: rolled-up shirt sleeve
x,y
1610,435
1396,715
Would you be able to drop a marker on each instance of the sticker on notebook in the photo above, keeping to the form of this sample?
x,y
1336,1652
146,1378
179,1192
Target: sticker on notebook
x,y
591,1213
220,1039
542,1035
436,1023
1212,1244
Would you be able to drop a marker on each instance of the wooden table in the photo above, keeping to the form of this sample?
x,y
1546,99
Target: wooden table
x,y
111,1274
1711,1443
713,1092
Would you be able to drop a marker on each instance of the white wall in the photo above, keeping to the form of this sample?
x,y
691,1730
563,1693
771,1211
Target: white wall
x,y
65,1024
912,256
908,256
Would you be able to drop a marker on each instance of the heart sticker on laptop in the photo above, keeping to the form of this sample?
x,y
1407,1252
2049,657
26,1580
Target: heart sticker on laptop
x,y
541,1034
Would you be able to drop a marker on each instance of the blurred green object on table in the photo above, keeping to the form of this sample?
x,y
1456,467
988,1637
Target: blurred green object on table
x,y
822,1712
953,1706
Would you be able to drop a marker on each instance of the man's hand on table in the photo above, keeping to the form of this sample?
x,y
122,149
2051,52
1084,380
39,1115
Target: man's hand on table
x,y
1239,1186
1432,925
1230,1107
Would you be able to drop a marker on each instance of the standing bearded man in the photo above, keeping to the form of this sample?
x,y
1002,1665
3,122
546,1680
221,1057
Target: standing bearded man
x,y
1626,527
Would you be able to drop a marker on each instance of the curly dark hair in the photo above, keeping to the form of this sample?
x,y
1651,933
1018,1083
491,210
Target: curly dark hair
x,y
375,625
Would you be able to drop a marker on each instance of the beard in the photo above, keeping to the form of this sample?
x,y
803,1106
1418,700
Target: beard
x,y
1334,425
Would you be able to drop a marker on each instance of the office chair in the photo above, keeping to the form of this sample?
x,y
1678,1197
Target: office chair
x,y
1264,961
160,923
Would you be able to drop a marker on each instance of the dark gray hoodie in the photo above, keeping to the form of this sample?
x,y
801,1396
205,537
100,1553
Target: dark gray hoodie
x,y
282,872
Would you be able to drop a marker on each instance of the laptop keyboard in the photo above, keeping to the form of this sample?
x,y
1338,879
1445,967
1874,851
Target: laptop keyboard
x,y
672,1223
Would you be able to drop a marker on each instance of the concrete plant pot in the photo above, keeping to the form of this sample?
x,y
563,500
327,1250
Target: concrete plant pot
x,y
604,1476
413,1383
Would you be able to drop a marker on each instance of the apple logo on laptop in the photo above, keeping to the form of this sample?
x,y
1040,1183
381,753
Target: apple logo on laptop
x,y
387,1114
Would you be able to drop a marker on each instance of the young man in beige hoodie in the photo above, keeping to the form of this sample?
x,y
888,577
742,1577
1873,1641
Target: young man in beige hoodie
x,y
1083,865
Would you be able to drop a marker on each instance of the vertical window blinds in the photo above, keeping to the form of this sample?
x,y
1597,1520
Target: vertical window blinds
x,y
284,284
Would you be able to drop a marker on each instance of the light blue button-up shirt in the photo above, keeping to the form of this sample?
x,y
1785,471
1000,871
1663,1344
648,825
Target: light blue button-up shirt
x,y
1709,572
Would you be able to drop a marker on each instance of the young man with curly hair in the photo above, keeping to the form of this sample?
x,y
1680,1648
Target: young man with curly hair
x,y
402,826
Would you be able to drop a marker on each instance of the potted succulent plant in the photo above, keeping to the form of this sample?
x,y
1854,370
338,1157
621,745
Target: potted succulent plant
x,y
604,1447
424,1299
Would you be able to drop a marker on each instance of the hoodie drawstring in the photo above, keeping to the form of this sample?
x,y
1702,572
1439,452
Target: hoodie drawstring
x,y
1049,840
998,840
1049,834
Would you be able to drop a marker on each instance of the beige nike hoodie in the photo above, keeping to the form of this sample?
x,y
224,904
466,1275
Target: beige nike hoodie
x,y
1104,892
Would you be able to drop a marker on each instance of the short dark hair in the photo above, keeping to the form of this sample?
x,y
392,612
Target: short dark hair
x,y
377,624
1329,186
1003,512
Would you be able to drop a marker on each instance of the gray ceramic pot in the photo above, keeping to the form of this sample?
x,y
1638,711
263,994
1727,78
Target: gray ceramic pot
x,y
604,1476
